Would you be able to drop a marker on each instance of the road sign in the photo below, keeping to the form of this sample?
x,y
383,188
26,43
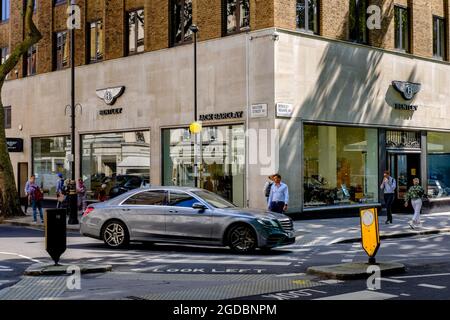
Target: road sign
x,y
370,235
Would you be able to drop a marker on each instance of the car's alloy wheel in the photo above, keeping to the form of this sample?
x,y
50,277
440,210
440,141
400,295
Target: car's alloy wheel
x,y
242,239
115,234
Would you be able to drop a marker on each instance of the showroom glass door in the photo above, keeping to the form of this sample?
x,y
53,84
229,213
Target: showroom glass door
x,y
404,168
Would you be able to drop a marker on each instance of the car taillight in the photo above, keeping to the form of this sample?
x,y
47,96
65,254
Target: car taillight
x,y
87,211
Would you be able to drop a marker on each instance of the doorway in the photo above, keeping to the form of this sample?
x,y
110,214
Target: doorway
x,y
404,167
22,178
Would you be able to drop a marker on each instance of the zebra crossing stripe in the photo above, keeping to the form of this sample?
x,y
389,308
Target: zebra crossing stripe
x,y
431,286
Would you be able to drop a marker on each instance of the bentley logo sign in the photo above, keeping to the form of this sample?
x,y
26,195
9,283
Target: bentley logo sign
x,y
407,89
110,95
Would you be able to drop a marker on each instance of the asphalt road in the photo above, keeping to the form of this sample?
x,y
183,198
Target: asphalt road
x,y
169,271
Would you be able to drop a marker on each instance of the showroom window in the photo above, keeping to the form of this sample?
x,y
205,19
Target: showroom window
x,y
340,166
223,160
118,160
438,164
49,159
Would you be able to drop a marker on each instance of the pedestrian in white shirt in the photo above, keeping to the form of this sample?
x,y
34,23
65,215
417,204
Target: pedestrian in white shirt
x,y
279,195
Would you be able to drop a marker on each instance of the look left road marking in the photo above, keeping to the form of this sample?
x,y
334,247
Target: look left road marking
x,y
19,255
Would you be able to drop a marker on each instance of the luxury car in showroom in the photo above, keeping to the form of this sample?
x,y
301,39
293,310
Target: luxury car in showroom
x,y
184,215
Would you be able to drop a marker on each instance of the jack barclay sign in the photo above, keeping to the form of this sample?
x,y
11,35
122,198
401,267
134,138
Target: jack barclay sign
x,y
221,116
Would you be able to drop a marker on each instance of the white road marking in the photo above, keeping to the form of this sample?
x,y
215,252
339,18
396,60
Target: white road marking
x,y
361,295
6,270
392,280
150,268
405,295
422,276
190,261
290,275
431,286
331,281
347,260
19,255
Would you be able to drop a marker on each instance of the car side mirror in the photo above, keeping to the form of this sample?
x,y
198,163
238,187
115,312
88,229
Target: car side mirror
x,y
199,206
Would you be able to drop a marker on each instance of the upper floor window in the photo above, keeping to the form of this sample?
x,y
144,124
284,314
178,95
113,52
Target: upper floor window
x,y
7,117
357,21
5,9
237,15
95,41
135,31
401,18
439,39
308,15
55,2
30,62
181,21
62,58
4,54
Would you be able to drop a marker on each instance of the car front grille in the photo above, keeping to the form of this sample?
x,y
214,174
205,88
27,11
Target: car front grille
x,y
287,224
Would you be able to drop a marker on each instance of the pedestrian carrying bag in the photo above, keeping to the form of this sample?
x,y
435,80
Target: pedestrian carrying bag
x,y
38,195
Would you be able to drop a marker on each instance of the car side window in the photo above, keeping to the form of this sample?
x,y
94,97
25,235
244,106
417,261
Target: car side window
x,y
181,199
148,198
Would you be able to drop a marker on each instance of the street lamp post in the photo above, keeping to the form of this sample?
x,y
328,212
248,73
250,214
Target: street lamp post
x,y
73,198
197,136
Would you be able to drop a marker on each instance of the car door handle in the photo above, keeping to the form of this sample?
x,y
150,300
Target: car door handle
x,y
126,209
173,211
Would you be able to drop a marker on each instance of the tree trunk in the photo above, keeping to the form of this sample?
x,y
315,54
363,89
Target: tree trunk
x,y
9,197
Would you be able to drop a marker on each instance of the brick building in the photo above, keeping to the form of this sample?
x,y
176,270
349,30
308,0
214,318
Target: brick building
x,y
339,93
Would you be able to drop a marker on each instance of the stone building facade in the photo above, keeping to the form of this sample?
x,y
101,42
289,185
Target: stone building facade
x,y
330,100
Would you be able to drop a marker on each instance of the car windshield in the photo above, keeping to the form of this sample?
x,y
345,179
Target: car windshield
x,y
214,200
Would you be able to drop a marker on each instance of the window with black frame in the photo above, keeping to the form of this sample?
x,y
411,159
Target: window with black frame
x,y
439,39
135,32
95,41
5,10
357,21
30,62
62,58
236,15
181,21
401,21
308,15
7,113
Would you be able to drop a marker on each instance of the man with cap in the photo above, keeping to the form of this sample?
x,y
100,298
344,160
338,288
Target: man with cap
x,y
60,190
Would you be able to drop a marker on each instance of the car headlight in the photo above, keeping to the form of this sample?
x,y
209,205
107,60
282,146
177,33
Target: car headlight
x,y
268,222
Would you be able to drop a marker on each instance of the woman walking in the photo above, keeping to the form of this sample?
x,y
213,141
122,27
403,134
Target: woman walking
x,y
415,194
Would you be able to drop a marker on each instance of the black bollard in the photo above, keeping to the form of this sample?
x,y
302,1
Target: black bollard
x,y
55,233
73,203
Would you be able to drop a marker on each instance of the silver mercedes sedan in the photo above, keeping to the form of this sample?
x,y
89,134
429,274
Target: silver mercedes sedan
x,y
184,215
